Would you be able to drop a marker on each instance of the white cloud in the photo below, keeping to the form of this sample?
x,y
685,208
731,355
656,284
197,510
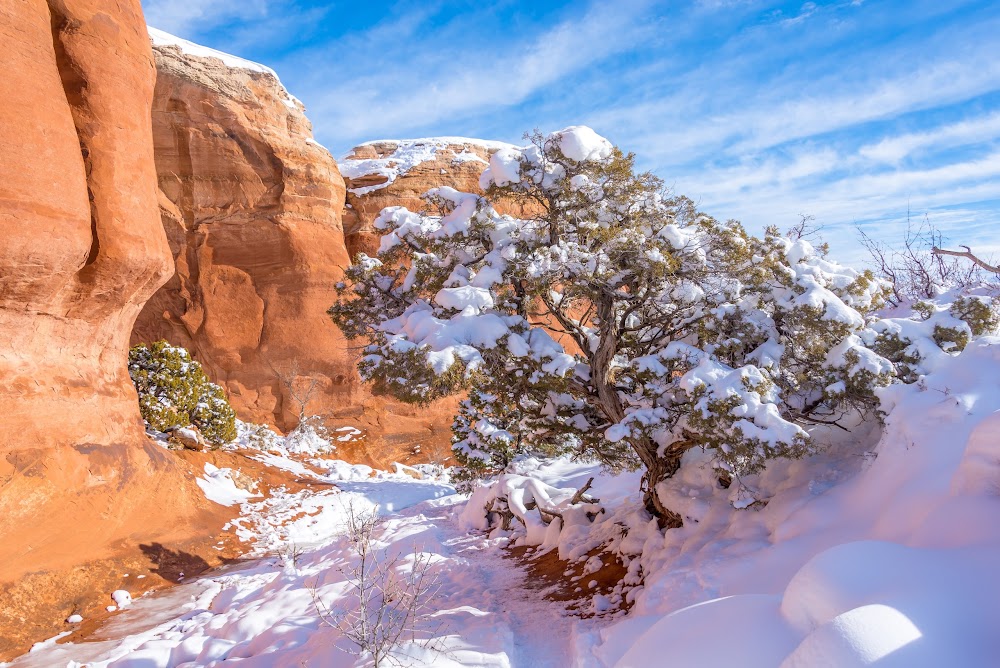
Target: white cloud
x,y
413,85
894,149
189,17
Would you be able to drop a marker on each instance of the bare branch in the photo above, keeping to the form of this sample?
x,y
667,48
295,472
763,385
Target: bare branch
x,y
995,269
579,496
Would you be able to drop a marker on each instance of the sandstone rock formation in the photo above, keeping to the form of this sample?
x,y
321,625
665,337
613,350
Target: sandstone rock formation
x,y
397,172
82,250
251,206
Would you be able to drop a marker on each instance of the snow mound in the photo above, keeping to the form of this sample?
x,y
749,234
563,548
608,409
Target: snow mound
x,y
122,598
891,566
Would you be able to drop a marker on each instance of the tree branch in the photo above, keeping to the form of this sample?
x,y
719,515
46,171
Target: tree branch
x,y
995,269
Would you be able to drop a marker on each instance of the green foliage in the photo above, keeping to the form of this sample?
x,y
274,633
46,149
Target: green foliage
x,y
174,392
611,319
951,339
982,315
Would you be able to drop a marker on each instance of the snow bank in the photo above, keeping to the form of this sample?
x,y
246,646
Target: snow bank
x,y
891,566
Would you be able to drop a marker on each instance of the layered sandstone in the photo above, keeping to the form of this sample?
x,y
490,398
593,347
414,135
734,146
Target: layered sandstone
x,y
398,172
251,207
82,250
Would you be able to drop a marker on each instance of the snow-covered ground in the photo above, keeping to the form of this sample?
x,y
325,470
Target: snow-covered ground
x,y
265,613
881,551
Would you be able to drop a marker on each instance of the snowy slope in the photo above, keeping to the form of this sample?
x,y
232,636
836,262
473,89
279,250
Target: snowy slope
x,y
882,551
894,566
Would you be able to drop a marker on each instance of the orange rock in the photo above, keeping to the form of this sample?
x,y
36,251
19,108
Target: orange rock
x,y
398,172
82,249
252,208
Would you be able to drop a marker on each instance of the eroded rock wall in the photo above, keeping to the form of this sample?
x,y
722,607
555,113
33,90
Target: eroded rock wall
x,y
252,209
81,249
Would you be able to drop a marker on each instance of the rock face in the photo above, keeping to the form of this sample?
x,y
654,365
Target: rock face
x,y
252,210
397,172
82,249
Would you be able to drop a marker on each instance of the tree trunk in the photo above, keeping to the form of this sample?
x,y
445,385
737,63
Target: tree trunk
x,y
657,470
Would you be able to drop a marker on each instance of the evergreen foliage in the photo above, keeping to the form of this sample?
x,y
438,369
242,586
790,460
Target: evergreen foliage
x,y
610,318
175,392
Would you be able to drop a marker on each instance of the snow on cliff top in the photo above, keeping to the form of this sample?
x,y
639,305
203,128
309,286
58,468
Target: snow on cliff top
x,y
160,38
408,154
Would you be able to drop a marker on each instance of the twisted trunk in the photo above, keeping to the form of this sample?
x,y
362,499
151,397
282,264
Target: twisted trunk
x,y
657,468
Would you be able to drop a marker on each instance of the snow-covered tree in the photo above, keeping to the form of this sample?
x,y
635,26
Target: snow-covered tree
x,y
175,392
609,318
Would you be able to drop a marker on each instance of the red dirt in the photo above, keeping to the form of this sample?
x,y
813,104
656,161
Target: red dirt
x,y
565,581
92,542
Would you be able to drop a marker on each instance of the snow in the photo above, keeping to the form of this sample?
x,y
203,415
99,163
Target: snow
x,y
878,550
218,486
263,613
122,598
408,154
582,144
161,38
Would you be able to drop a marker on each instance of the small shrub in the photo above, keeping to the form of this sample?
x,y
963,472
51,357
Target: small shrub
x,y
390,598
175,392
982,315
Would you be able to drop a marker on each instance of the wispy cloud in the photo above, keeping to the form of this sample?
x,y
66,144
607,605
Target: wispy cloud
x,y
410,83
760,109
191,16
895,148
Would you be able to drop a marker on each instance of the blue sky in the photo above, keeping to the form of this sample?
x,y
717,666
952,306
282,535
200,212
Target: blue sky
x,y
854,112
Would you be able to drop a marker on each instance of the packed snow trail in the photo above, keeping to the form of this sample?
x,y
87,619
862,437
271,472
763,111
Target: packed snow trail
x,y
263,612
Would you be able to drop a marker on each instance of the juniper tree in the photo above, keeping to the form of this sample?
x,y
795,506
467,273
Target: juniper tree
x,y
610,318
175,392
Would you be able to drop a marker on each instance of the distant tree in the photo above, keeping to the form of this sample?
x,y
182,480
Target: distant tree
x,y
175,392
310,433
611,319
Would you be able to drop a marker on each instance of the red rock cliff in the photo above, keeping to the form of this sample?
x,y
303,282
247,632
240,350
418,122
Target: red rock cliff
x,y
252,209
82,249
397,172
